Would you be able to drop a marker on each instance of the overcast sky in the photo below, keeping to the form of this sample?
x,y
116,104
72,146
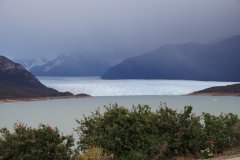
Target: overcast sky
x,y
117,28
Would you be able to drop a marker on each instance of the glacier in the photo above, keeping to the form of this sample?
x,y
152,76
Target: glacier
x,y
95,86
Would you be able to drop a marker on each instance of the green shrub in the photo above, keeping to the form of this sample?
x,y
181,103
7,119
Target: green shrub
x,y
26,143
222,132
142,134
183,131
120,131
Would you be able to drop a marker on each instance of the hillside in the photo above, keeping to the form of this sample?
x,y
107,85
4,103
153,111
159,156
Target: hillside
x,y
231,90
192,61
16,83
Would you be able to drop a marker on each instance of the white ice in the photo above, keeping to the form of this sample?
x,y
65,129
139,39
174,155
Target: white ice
x,y
97,87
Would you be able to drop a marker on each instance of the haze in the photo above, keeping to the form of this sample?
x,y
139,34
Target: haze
x,y
110,28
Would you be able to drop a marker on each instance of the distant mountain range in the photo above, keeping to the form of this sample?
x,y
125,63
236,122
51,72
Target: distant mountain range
x,y
16,83
219,61
71,65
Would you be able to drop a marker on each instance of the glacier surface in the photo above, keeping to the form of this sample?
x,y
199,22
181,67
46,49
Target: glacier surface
x,y
95,86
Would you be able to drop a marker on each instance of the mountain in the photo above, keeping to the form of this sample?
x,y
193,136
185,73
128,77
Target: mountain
x,y
231,90
16,82
30,63
71,65
192,61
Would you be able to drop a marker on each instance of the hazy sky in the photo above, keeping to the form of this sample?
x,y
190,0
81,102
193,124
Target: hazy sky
x,y
117,28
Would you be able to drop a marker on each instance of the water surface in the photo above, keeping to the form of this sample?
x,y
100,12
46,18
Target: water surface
x,y
63,112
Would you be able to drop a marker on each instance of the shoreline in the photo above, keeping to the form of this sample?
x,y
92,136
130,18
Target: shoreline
x,y
214,94
4,101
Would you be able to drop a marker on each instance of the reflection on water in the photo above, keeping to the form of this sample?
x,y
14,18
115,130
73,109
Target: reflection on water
x,y
62,113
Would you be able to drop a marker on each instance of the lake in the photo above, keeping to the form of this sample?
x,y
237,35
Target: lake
x,y
63,112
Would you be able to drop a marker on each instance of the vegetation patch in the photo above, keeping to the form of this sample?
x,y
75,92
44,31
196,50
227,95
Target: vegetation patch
x,y
140,133
42,143
119,133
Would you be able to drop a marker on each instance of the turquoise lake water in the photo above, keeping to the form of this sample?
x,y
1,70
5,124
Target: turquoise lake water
x,y
63,112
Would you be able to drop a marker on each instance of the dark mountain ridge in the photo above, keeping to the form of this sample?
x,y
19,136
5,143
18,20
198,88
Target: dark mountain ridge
x,y
16,83
15,75
192,61
231,90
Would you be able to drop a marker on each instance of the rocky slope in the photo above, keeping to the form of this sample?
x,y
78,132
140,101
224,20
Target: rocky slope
x,y
16,83
229,90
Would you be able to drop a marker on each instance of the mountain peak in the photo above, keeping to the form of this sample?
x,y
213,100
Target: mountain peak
x,y
7,65
16,82
72,65
191,61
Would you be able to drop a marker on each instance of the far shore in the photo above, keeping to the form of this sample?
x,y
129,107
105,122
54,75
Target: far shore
x,y
2,101
42,98
213,94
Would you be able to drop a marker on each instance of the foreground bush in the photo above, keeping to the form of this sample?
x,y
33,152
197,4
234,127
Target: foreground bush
x,y
42,143
142,134
222,131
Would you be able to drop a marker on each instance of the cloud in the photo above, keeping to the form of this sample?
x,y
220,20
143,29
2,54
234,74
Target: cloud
x,y
30,28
